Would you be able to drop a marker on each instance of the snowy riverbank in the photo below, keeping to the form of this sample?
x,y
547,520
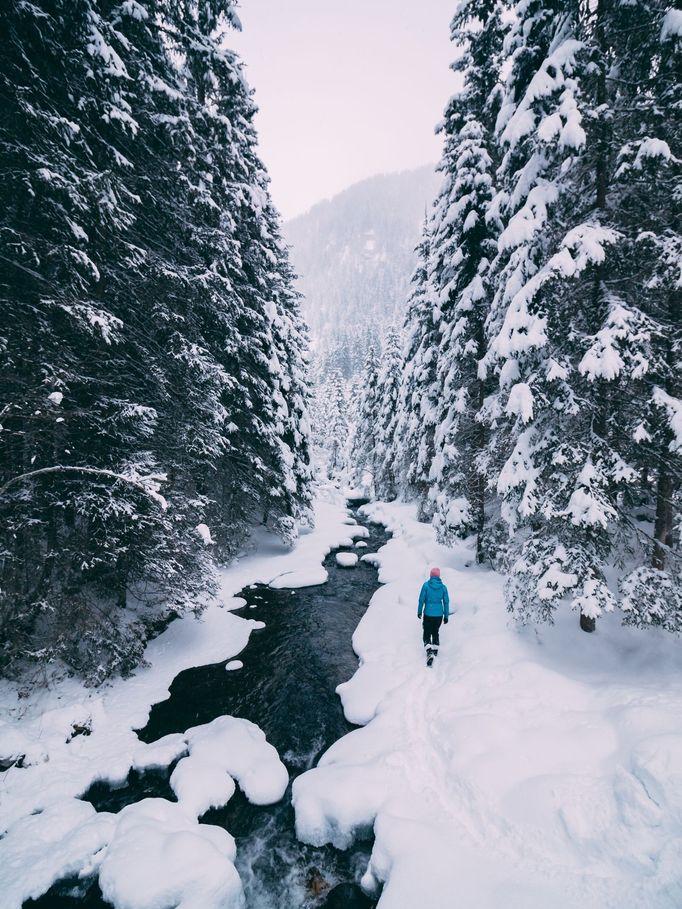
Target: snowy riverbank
x,y
51,834
526,769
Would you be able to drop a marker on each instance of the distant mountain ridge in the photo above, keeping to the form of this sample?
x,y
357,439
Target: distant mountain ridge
x,y
354,254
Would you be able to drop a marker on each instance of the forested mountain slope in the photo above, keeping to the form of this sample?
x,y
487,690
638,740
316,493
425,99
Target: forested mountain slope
x,y
151,347
354,255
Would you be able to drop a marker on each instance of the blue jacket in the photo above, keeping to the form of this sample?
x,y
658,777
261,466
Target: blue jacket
x,y
433,598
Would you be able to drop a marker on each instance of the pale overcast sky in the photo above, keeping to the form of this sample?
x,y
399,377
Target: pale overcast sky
x,y
346,89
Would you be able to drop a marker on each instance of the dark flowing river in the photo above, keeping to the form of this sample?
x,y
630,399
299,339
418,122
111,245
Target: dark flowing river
x,y
287,686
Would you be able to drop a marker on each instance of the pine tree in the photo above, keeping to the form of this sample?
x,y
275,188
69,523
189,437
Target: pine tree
x,y
553,496
418,404
338,426
463,246
386,442
151,337
632,348
363,445
541,371
574,346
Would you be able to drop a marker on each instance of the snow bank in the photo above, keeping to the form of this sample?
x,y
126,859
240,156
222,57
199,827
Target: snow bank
x,y
301,577
282,567
234,748
61,841
153,854
525,769
65,766
41,727
346,559
233,665
158,858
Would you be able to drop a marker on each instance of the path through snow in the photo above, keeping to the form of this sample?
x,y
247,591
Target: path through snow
x,y
525,769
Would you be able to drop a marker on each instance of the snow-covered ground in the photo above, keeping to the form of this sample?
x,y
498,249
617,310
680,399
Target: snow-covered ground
x,y
154,854
526,769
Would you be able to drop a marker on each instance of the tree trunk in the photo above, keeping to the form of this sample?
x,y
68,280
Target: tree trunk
x,y
481,440
667,482
663,528
480,518
587,623
603,127
602,412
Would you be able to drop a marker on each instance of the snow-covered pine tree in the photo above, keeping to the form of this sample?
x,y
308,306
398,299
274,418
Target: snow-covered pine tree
x,y
386,443
631,346
418,401
338,425
78,367
292,355
463,244
579,309
246,315
147,302
554,479
319,413
364,439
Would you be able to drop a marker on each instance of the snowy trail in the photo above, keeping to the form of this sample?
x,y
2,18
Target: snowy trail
x,y
522,770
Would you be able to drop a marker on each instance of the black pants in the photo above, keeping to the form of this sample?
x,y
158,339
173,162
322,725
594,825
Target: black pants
x,y
431,625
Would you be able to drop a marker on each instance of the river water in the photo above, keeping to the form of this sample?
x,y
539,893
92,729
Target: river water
x,y
287,686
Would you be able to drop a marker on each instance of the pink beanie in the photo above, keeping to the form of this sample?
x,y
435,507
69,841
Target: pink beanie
x,y
435,573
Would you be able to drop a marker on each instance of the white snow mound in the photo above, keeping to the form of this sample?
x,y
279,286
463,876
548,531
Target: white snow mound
x,y
346,559
242,751
204,533
159,858
42,848
309,576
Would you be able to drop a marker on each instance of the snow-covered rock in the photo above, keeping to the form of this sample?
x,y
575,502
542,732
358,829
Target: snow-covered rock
x,y
346,559
159,858
38,850
359,533
160,753
372,559
200,784
242,751
301,577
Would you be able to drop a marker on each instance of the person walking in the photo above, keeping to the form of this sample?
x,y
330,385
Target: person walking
x,y
434,603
